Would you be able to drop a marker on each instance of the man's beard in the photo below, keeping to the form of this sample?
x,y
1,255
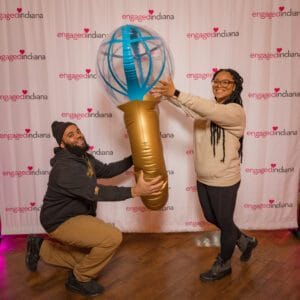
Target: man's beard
x,y
77,150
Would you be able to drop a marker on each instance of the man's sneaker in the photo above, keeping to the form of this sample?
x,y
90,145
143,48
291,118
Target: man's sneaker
x,y
246,244
219,269
89,288
33,252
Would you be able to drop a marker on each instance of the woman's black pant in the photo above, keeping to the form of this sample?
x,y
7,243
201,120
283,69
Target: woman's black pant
x,y
218,205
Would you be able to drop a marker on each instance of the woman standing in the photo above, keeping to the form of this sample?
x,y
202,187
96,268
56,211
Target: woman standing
x,y
218,139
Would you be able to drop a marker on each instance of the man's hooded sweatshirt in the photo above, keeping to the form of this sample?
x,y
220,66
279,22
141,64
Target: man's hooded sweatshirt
x,y
73,189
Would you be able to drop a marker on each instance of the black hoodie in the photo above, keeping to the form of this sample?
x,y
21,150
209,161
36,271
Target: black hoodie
x,y
71,187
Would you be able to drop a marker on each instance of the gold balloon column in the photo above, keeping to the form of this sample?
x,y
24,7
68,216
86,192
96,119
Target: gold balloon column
x,y
142,123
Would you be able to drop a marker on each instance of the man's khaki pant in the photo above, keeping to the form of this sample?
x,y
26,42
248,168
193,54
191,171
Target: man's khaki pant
x,y
85,245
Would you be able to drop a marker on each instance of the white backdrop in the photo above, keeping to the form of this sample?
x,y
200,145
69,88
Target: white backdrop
x,y
47,62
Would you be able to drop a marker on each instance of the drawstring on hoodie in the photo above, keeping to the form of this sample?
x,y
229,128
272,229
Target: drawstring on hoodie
x,y
90,170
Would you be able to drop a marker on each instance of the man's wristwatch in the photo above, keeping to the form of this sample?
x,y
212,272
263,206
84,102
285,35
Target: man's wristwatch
x,y
176,93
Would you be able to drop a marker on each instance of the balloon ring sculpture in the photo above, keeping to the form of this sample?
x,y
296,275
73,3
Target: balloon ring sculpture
x,y
130,62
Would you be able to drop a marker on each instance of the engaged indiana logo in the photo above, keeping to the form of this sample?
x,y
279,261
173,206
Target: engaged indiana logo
x,y
32,207
100,152
24,95
19,14
215,32
201,76
150,15
30,171
22,55
26,134
272,168
89,113
275,131
88,74
85,34
276,94
280,12
144,209
279,53
270,204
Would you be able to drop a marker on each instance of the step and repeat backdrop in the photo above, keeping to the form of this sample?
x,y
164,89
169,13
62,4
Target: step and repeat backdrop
x,y
48,55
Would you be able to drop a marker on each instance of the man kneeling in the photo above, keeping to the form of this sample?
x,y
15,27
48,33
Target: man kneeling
x,y
79,240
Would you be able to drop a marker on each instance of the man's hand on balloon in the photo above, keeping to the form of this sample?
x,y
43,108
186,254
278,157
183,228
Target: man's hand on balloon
x,y
163,88
145,188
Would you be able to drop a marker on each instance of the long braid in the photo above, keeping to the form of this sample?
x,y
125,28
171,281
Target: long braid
x,y
215,135
235,97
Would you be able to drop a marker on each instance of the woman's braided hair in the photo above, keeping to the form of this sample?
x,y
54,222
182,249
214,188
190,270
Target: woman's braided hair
x,y
215,130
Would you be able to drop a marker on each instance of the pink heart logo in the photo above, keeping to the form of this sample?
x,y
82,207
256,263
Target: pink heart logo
x,y
19,9
24,92
276,90
216,29
27,130
275,128
273,166
279,50
30,168
271,201
281,8
88,71
91,148
32,203
151,11
214,70
22,51
89,109
86,30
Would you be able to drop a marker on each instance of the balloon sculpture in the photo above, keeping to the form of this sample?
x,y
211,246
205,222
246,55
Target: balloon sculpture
x,y
130,62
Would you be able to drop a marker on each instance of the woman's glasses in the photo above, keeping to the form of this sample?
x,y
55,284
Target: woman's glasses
x,y
222,83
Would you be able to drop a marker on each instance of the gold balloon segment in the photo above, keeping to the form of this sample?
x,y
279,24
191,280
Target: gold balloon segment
x,y
142,124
